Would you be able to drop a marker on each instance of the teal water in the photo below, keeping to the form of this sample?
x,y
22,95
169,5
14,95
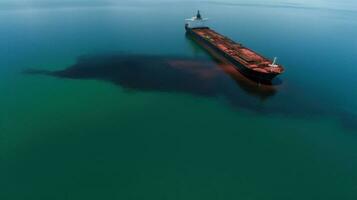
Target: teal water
x,y
103,116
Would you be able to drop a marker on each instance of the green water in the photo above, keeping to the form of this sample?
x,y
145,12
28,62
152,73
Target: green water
x,y
113,138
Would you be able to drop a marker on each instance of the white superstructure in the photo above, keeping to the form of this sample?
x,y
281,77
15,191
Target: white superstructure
x,y
196,21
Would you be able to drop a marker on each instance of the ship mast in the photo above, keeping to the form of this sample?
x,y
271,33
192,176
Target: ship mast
x,y
198,16
274,63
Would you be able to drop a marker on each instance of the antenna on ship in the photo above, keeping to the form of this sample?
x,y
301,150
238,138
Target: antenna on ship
x,y
274,63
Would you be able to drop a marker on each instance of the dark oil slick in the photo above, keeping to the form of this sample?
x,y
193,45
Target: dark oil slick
x,y
199,77
162,73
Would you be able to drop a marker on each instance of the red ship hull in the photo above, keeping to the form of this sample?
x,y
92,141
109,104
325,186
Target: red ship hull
x,y
262,74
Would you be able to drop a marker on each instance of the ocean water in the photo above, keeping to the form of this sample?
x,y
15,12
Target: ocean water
x,y
110,100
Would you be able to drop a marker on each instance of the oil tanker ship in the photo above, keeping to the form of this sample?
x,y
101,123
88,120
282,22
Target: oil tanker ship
x,y
248,62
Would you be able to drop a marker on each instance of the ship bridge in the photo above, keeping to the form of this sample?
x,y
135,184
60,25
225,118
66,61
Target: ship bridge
x,y
196,21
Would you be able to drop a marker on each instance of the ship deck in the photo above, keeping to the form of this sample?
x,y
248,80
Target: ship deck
x,y
243,55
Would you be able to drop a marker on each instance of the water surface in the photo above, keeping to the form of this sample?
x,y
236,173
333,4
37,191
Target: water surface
x,y
110,100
